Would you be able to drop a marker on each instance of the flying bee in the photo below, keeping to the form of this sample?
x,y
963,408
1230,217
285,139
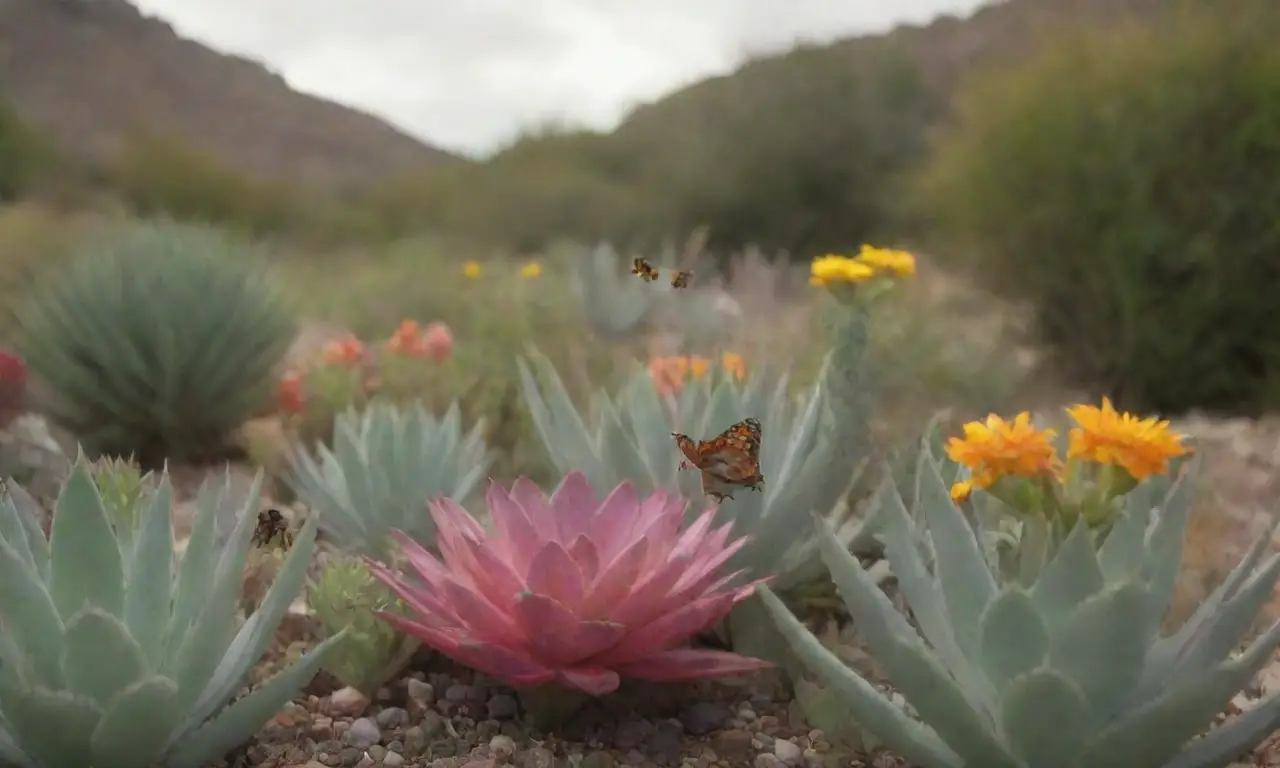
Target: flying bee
x,y
272,530
644,270
681,279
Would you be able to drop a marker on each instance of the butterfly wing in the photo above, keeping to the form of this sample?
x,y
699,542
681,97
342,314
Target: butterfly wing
x,y
689,447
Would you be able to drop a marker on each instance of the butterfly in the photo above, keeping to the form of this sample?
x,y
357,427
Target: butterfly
x,y
644,270
681,279
272,526
731,458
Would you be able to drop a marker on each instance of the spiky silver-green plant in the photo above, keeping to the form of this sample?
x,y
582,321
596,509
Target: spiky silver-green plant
x,y
157,342
629,440
614,302
1070,671
124,657
386,463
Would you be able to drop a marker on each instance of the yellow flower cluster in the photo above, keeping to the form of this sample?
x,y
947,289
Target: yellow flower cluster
x,y
869,263
997,448
530,270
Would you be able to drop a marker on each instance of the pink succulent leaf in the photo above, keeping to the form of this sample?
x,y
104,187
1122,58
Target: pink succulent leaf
x,y
616,581
454,525
500,584
557,636
690,664
512,667
554,573
573,505
532,500
583,551
612,526
669,629
516,539
421,600
482,617
612,518
422,561
688,542
649,598
593,680
705,569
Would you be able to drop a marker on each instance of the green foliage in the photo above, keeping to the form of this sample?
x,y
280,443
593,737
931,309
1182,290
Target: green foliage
x,y
1122,184
1067,668
119,653
24,155
158,342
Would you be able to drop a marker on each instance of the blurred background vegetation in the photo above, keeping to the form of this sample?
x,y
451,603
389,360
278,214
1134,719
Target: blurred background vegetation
x,y
1098,183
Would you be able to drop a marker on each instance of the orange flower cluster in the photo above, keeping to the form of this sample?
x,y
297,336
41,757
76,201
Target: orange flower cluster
x,y
669,374
348,371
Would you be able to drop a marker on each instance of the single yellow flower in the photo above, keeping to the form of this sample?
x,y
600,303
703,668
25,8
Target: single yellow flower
x,y
698,366
471,269
1142,447
887,260
833,268
996,448
531,270
734,364
961,491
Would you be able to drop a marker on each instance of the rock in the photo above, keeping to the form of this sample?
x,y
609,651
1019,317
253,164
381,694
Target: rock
x,y
767,760
789,753
733,745
415,742
538,757
631,733
432,726
420,692
392,760
31,455
392,717
362,734
377,752
456,693
321,728
348,702
502,707
703,717
598,759
366,761
502,747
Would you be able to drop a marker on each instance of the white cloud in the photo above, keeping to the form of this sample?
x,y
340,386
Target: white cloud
x,y
468,75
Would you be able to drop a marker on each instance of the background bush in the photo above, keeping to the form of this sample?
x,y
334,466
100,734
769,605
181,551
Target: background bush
x,y
1124,184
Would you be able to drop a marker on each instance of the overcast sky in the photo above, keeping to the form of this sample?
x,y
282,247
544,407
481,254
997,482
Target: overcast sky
x,y
468,74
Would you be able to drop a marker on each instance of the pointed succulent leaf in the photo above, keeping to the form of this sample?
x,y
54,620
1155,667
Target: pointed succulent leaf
x,y
53,727
1121,553
1012,638
86,564
31,513
1165,540
252,639
1046,719
1149,736
30,618
914,741
1032,550
961,569
148,601
137,725
15,534
1232,740
242,719
1070,578
195,579
1102,646
99,657
1222,634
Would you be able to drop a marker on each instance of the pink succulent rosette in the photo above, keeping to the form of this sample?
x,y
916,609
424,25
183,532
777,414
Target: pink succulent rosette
x,y
573,590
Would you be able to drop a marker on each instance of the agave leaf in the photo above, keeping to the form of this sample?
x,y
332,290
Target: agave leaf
x,y
915,672
1102,646
1121,554
914,741
1032,550
15,533
53,727
1012,638
242,719
1186,707
86,564
1046,719
1070,578
99,657
1164,542
30,619
9,752
1220,635
147,603
252,639
137,725
195,579
961,568
31,513
556,419
1233,739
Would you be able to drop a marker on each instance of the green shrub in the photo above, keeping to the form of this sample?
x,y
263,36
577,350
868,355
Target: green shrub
x,y
1123,183
156,342
24,155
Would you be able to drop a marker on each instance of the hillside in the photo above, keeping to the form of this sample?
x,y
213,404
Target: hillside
x,y
92,73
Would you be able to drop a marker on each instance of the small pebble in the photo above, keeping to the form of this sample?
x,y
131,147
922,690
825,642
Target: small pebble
x,y
415,741
377,752
432,725
362,734
598,759
420,692
392,717
365,761
456,693
392,760
703,717
502,746
789,753
348,701
734,746
502,707
767,760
